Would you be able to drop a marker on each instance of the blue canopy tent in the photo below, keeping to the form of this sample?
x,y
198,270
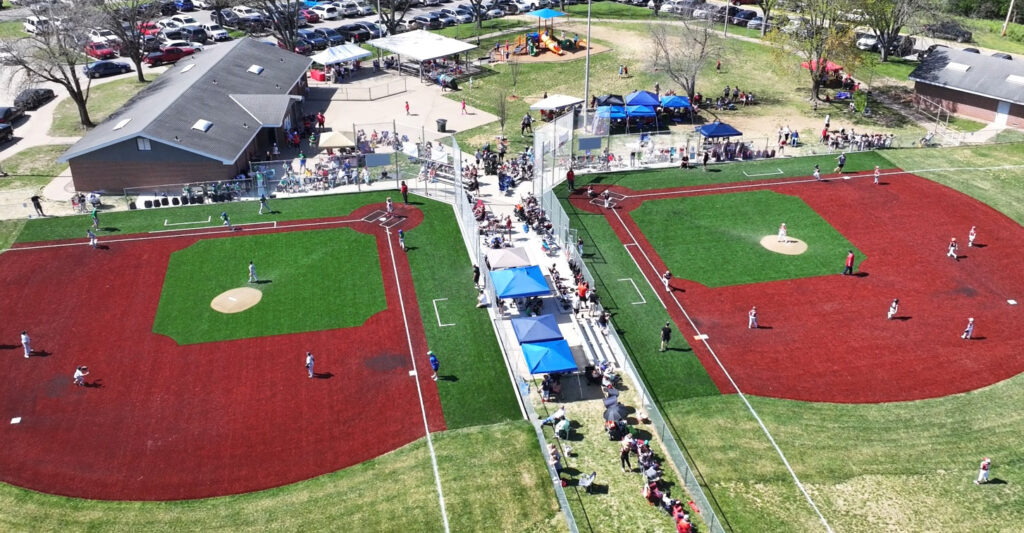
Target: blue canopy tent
x,y
718,129
536,329
549,356
642,98
641,111
520,282
611,112
674,101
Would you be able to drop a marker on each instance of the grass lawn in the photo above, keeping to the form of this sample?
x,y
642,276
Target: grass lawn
x,y
33,168
612,10
469,30
987,34
1009,136
896,68
294,268
104,99
725,230
966,124
487,487
11,29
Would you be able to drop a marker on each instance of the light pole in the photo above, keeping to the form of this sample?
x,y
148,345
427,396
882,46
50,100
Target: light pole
x,y
586,77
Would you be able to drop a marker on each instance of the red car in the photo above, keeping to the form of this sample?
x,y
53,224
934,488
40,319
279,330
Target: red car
x,y
311,16
302,46
149,28
100,51
171,54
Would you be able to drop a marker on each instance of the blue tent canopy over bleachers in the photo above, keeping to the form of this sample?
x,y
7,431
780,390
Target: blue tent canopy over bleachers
x,y
611,111
642,98
640,111
674,101
549,356
718,129
536,328
520,282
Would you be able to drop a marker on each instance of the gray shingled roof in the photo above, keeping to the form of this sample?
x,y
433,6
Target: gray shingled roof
x,y
973,73
219,88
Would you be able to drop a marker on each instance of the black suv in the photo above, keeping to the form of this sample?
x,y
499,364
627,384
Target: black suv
x,y
6,132
33,98
949,30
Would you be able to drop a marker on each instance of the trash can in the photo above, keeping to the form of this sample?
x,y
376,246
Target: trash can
x,y
441,124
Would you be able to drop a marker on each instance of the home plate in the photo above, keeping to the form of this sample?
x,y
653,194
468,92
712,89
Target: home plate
x,y
1011,302
702,337
16,420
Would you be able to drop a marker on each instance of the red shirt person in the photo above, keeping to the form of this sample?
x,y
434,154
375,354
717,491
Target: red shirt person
x,y
849,264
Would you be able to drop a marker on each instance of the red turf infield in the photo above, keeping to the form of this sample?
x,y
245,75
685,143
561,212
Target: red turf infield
x,y
827,338
179,422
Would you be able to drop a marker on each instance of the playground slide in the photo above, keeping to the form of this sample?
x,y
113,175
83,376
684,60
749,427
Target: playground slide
x,y
551,44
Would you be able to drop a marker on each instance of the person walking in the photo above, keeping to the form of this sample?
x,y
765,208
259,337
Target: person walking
x,y
310,361
666,336
401,240
80,372
894,308
320,119
252,273
407,107
877,174
476,276
95,218
666,279
570,178
752,318
971,236
841,162
983,470
849,263
263,204
405,193
624,450
718,66
464,107
967,334
92,237
227,220
706,158
435,364
579,247
951,250
26,343
37,205
817,173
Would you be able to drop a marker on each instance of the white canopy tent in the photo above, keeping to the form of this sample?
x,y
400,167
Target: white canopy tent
x,y
421,45
556,101
340,54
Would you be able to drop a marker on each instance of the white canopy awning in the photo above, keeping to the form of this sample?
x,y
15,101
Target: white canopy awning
x,y
335,139
556,101
341,54
420,45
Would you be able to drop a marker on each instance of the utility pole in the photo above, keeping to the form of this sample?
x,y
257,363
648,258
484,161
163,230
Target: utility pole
x,y
1009,12
586,76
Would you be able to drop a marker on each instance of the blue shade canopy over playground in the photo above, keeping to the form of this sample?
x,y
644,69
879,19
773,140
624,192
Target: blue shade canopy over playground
x,y
549,356
536,328
520,282
718,129
546,13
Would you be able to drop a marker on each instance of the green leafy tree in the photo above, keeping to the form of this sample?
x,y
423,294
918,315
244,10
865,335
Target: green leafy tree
x,y
820,37
888,17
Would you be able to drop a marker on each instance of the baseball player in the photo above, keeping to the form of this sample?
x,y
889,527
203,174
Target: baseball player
x,y
92,237
666,278
95,218
951,251
986,465
401,240
252,273
26,342
752,318
309,364
849,264
782,233
263,204
894,308
971,236
607,199
226,219
877,173
840,163
80,373
389,206
435,365
666,336
969,330
817,173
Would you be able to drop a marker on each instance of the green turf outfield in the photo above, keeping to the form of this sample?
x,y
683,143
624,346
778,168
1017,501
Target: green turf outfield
x,y
493,479
715,239
310,280
766,169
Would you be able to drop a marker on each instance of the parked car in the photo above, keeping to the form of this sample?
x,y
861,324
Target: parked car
x,y
354,32
301,46
245,11
949,30
758,22
493,13
445,18
215,32
743,17
867,41
100,35
326,11
148,28
100,69
6,132
31,99
332,37
1002,55
364,9
168,24
185,20
376,30
311,16
100,51
198,47
36,24
184,5
407,25
313,38
346,8
169,54
9,114
460,17
229,18
195,34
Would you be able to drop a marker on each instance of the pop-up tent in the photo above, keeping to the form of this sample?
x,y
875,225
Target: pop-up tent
x,y
642,98
549,356
611,111
640,111
536,328
674,101
609,99
556,101
341,54
718,129
335,139
520,282
830,67
507,258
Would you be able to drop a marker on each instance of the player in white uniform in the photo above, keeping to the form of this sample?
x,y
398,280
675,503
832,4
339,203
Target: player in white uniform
x,y
877,173
389,206
817,173
952,250
969,330
971,236
752,318
665,279
894,308
252,273
986,465
782,233
80,373
92,237
26,343
309,364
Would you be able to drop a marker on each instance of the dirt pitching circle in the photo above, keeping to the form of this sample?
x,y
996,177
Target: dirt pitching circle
x,y
788,246
236,300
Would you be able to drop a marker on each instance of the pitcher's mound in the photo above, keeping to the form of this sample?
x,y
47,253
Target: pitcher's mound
x,y
236,300
789,246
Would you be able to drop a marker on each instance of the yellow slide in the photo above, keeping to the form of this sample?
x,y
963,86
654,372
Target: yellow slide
x,y
551,44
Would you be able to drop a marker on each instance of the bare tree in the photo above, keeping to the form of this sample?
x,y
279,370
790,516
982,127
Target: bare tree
x,y
819,40
513,70
392,12
54,55
888,17
681,52
501,108
766,8
478,13
282,18
126,20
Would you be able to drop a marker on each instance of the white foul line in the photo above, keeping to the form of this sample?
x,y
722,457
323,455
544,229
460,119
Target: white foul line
x,y
734,385
651,285
642,299
419,389
778,172
168,223
438,315
274,222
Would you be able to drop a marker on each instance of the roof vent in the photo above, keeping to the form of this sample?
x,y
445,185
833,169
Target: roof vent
x,y
202,125
255,69
958,67
188,67
122,124
1012,78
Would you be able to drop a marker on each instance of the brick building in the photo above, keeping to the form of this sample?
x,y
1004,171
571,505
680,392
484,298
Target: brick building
x,y
977,86
199,121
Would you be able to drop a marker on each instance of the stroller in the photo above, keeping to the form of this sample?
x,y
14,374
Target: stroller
x,y
505,184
